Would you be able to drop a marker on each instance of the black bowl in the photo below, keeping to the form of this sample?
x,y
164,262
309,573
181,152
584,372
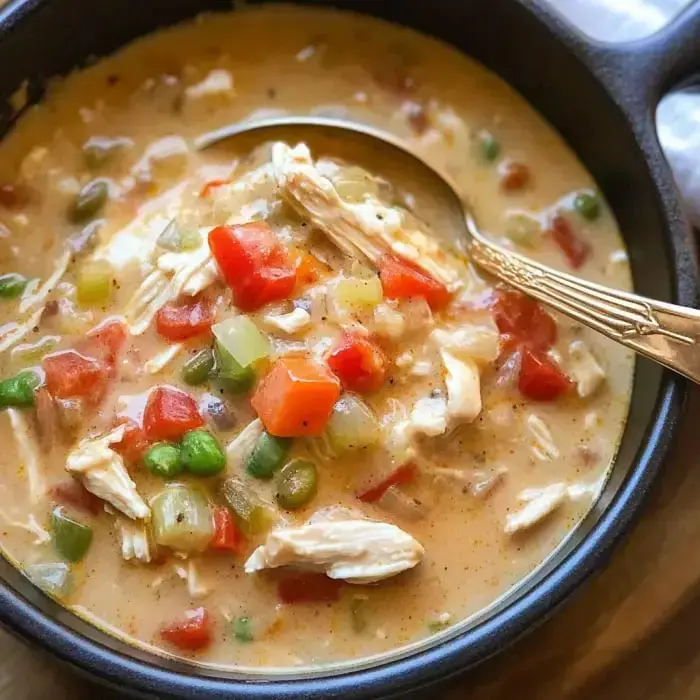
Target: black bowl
x,y
602,100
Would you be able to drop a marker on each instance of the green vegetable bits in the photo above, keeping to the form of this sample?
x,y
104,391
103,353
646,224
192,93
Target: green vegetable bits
x,y
587,204
267,456
164,459
12,285
89,201
198,368
202,454
296,484
71,539
242,629
19,390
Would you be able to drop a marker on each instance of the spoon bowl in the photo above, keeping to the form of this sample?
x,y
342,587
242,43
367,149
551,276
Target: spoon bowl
x,y
666,333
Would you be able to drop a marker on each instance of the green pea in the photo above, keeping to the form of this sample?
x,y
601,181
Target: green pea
x,y
587,205
71,539
242,629
164,459
267,456
19,390
296,484
197,369
231,375
489,148
89,201
201,453
12,285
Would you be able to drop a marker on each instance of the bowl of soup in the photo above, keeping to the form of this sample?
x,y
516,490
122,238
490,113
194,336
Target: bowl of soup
x,y
263,420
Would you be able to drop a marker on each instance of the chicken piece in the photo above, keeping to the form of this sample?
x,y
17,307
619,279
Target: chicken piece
x,y
366,230
539,503
584,369
342,545
478,342
195,585
463,388
101,471
160,361
291,323
389,322
242,445
136,542
217,84
543,446
428,417
28,454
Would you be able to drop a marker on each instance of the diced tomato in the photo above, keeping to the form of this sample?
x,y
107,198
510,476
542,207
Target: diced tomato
x,y
170,413
522,321
134,443
401,475
72,493
227,537
211,185
574,248
70,374
540,378
309,268
191,633
296,398
104,343
359,363
308,588
254,264
402,279
186,318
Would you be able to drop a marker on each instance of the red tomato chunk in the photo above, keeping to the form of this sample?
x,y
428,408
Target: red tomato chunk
x,y
540,378
296,398
191,633
359,363
401,475
308,588
134,442
254,264
522,321
574,248
227,537
170,413
402,279
185,319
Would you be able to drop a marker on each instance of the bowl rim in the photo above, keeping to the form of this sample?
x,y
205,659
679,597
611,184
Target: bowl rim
x,y
448,657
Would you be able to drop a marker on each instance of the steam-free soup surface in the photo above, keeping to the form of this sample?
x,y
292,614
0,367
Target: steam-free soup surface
x,y
415,440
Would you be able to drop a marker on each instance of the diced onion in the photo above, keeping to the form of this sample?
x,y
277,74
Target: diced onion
x,y
358,293
242,339
352,425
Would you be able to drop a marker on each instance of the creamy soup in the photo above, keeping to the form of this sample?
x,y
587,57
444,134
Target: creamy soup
x,y
255,414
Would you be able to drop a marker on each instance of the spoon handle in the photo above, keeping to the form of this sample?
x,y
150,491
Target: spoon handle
x,y
664,332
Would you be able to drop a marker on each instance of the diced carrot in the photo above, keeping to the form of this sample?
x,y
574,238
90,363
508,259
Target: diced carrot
x,y
514,176
191,633
308,588
186,318
296,398
134,443
575,249
170,413
309,268
227,537
401,475
402,279
540,378
360,364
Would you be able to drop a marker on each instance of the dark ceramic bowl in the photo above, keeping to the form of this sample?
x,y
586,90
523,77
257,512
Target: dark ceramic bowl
x,y
602,99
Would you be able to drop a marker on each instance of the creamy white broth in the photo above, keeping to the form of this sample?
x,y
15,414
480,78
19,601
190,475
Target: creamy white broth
x,y
297,61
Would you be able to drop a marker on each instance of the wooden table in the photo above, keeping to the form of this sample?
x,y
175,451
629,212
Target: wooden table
x,y
631,634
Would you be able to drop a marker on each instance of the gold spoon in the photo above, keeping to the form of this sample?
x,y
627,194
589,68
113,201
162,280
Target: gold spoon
x,y
666,333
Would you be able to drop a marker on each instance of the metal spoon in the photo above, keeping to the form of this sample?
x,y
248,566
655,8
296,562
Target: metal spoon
x,y
666,333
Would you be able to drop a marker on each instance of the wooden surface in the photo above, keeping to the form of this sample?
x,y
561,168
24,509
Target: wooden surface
x,y
633,633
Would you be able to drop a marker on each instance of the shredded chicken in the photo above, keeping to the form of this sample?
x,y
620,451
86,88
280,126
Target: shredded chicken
x,y
367,230
28,454
41,536
389,322
341,545
539,503
543,446
217,83
160,361
463,387
101,471
291,323
584,369
136,541
242,445
195,585
428,417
